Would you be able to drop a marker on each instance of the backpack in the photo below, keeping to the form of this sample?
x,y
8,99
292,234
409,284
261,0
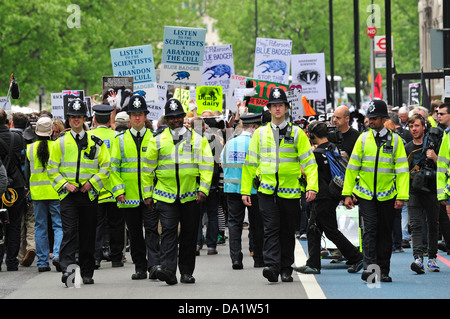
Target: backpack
x,y
338,166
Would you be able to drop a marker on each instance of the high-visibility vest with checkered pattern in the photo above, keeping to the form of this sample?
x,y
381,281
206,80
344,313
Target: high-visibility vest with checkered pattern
x,y
443,166
130,175
181,169
68,164
277,164
40,186
383,171
107,135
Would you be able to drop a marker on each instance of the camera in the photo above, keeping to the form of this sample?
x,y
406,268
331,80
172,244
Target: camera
x,y
335,136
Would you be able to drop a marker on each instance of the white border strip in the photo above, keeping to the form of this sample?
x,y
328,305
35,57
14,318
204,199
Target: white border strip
x,y
309,282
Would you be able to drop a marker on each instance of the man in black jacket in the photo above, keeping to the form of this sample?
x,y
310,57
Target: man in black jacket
x,y
11,151
323,210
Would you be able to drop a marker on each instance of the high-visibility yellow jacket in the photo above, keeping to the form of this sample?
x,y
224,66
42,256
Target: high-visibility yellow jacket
x,y
383,171
181,169
40,186
443,165
277,165
68,163
130,175
107,135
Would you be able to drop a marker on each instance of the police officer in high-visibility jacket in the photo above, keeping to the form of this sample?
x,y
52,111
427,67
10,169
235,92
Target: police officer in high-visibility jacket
x,y
44,198
378,175
78,168
182,162
276,152
110,220
132,188
233,159
443,161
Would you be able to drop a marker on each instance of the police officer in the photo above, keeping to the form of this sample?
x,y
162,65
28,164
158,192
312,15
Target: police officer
x,y
275,154
379,159
132,187
323,210
182,162
78,168
110,221
233,158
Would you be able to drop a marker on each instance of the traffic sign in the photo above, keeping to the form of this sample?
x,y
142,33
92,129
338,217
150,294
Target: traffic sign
x,y
371,31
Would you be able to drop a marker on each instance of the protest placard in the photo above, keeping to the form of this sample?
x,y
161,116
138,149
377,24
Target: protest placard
x,y
137,62
209,98
257,102
218,66
182,56
309,71
272,60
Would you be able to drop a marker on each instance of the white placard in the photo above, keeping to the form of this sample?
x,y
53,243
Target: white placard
x,y
309,71
272,58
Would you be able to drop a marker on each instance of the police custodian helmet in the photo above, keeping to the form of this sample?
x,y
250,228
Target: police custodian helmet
x,y
137,104
277,95
173,107
377,108
77,107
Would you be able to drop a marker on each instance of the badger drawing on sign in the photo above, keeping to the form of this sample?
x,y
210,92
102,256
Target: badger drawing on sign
x,y
211,92
219,71
274,66
181,75
309,76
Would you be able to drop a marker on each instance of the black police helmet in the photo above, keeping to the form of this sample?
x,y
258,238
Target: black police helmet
x,y
277,95
137,104
77,107
377,108
173,107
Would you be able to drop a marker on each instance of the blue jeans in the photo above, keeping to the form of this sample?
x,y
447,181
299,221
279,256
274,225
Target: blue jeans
x,y
42,209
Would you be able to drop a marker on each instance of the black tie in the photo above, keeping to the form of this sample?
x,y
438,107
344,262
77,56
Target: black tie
x,y
77,137
138,135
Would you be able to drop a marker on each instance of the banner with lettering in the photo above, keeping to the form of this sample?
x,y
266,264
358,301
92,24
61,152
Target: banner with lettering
x,y
272,60
218,66
257,102
137,62
182,56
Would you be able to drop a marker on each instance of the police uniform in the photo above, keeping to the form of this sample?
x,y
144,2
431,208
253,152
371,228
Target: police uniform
x,y
78,158
379,160
274,156
233,158
183,165
110,221
130,177
44,198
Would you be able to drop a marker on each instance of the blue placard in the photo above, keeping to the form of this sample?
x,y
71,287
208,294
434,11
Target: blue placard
x,y
134,61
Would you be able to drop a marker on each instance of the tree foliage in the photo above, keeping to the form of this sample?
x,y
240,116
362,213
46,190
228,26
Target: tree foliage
x,y
306,23
40,48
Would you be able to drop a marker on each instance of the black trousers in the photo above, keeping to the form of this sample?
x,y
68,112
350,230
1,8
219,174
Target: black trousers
x,y
323,220
236,214
279,230
144,248
79,222
11,232
377,220
187,215
111,229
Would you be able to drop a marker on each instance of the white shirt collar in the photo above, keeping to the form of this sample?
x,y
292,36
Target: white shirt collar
x,y
281,126
74,134
178,131
383,132
134,131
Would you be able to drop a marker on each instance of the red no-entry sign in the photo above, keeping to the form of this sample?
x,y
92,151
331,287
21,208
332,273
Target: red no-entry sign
x,y
371,31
